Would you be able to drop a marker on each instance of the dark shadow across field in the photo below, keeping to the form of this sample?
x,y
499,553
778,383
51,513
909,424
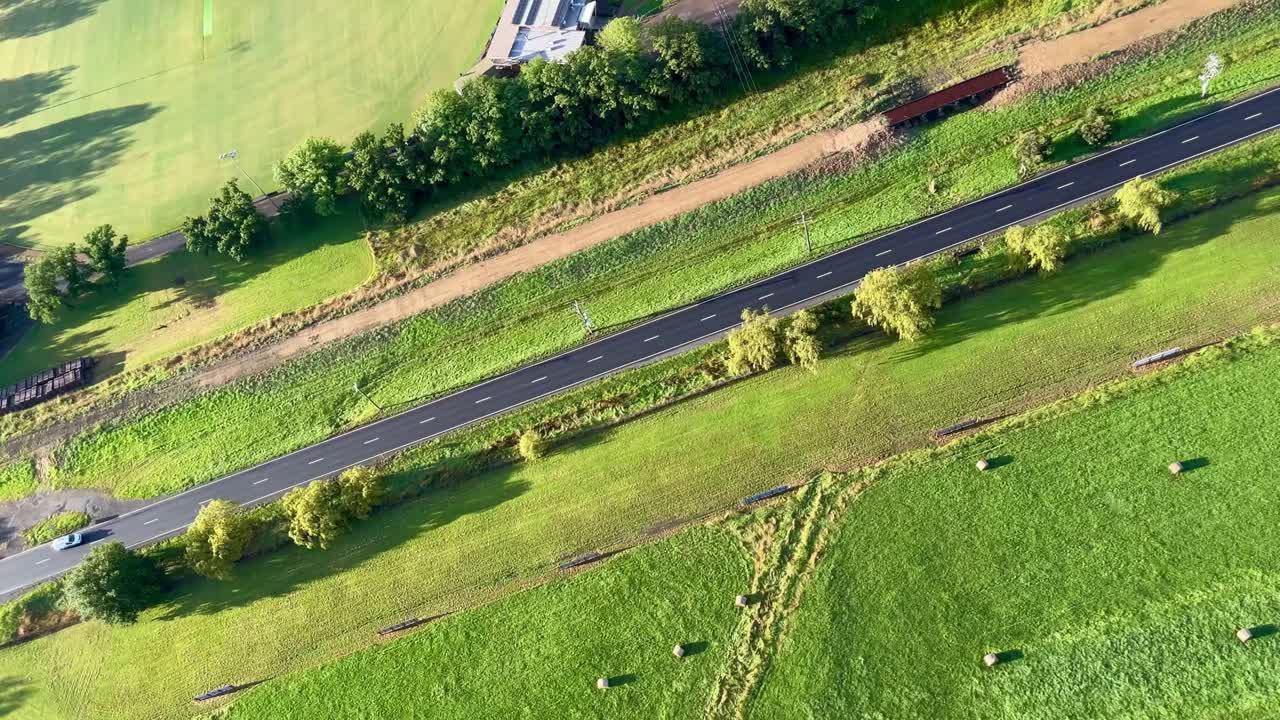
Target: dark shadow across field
x,y
28,18
13,694
281,572
43,169
26,94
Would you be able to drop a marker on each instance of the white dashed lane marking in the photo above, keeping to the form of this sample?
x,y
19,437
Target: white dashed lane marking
x,y
766,296
825,274
487,398
1006,207
1128,162
152,520
886,252
370,441
535,382
707,317
255,482
598,357
945,229
1254,116
313,462
1191,139
1064,187
424,422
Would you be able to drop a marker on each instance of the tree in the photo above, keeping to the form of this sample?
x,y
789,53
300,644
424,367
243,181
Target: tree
x,y
1141,200
312,172
362,489
44,299
1030,150
899,300
113,585
199,237
686,69
374,172
801,340
217,538
106,252
233,221
754,345
532,445
1042,248
316,514
1095,126
623,35
67,262
1212,69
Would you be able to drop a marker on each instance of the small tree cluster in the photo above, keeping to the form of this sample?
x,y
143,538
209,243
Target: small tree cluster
x,y
320,511
1030,149
1140,201
231,226
899,300
1095,126
754,345
217,538
1043,248
313,174
800,339
113,584
57,278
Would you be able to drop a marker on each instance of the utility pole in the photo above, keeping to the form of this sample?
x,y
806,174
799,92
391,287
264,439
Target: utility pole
x,y
804,222
586,319
365,395
234,156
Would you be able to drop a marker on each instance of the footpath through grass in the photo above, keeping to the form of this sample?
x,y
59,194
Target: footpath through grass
x,y
1201,279
1119,586
178,301
652,270
117,110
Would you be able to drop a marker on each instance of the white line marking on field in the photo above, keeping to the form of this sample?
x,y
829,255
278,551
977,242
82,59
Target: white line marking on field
x,y
424,422
651,339
370,442
707,317
1190,139
598,357
945,229
1255,115
41,562
535,382
1064,187
886,252
1006,207
255,482
313,462
766,296
486,398
825,274
152,520
1128,162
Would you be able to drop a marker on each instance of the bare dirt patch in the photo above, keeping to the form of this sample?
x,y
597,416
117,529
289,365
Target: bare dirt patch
x,y
1049,56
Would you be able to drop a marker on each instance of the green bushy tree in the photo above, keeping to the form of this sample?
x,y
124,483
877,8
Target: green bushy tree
x,y
1043,248
754,345
217,538
106,251
1140,201
312,173
899,300
113,584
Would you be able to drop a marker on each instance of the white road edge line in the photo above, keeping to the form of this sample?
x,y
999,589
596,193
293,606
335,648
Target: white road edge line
x,y
1190,139
370,441
1128,162
1047,211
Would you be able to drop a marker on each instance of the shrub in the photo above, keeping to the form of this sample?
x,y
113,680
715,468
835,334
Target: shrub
x,y
532,445
1095,126
754,345
217,538
54,526
900,300
113,585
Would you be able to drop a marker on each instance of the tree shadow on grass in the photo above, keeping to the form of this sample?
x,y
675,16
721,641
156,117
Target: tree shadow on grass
x,y
26,94
195,280
281,572
14,692
28,18
45,168
1086,278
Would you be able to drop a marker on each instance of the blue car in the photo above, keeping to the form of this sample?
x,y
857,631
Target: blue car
x,y
67,541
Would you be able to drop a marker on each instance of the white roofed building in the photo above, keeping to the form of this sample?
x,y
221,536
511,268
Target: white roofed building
x,y
528,29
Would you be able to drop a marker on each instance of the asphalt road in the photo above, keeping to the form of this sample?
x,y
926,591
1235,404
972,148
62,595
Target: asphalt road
x,y
676,331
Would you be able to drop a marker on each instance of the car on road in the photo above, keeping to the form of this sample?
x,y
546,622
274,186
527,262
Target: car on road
x,y
67,541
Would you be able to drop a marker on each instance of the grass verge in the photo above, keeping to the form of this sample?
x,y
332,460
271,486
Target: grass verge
x,y
1202,279
54,526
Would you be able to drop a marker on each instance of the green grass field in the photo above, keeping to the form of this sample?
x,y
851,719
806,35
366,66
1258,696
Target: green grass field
x,y
545,648
1120,585
1202,278
17,479
117,110
178,301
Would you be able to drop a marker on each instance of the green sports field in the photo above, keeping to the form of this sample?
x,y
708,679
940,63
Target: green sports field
x,y
116,110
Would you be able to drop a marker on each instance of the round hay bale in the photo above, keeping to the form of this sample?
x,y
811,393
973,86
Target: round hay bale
x,y
1244,635
1175,468
602,683
678,651
990,659
982,464
740,601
